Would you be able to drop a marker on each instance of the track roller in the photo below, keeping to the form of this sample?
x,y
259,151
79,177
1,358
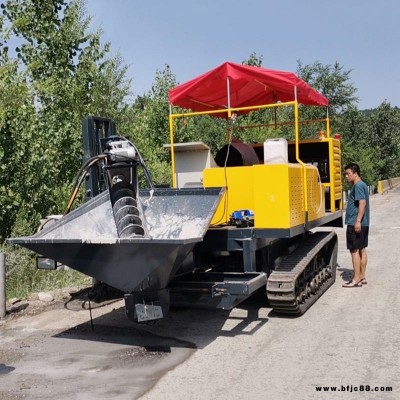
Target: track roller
x,y
304,275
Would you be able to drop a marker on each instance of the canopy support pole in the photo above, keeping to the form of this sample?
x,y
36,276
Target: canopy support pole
x,y
297,138
228,89
328,125
228,92
171,139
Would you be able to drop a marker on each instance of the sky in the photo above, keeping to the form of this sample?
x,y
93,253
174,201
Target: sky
x,y
193,37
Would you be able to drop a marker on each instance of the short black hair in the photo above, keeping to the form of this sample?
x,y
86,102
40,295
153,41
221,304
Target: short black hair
x,y
355,168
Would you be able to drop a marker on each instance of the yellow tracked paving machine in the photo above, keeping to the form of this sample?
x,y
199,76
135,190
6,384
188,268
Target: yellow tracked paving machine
x,y
244,221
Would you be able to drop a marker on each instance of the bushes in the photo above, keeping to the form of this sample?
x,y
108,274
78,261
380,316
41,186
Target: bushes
x,y
22,277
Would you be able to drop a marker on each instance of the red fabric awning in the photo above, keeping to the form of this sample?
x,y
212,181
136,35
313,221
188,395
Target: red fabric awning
x,y
248,86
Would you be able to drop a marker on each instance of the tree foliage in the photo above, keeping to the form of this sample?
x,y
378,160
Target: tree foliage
x,y
146,124
333,81
372,139
54,72
254,60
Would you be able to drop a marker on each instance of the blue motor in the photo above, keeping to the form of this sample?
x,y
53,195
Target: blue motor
x,y
242,218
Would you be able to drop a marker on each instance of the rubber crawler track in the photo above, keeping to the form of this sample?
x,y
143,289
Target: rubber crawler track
x,y
295,285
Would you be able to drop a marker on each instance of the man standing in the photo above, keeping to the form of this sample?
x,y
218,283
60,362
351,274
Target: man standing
x,y
357,221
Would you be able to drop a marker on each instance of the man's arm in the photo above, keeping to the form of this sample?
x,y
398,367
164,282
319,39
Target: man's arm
x,y
362,204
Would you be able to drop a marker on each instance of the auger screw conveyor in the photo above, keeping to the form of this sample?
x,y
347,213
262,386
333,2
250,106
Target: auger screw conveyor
x,y
242,221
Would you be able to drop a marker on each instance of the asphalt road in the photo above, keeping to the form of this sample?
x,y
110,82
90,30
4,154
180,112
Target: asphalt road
x,y
347,344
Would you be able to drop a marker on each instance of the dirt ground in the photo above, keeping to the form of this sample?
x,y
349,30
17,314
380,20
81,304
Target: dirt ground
x,y
73,298
52,348
17,308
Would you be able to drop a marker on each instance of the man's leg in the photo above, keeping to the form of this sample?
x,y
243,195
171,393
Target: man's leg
x,y
363,262
356,260
355,257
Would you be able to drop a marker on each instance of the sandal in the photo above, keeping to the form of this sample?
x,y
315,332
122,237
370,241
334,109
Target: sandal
x,y
353,284
363,281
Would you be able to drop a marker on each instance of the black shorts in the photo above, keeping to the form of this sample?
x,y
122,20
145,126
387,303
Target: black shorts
x,y
357,241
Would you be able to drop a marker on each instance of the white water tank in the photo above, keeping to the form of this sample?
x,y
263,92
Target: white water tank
x,y
276,151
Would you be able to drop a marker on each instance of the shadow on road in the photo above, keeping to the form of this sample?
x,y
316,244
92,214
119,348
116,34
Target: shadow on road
x,y
345,273
192,328
6,369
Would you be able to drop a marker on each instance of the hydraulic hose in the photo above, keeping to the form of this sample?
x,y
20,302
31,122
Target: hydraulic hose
x,y
80,176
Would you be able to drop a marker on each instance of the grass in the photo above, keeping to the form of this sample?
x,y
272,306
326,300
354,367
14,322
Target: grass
x,y
23,278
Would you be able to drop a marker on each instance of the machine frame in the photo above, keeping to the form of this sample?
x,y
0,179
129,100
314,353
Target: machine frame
x,y
197,258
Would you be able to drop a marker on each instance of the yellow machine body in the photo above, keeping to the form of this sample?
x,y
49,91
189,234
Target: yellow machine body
x,y
273,192
334,185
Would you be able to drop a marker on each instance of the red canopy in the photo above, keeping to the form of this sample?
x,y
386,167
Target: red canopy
x,y
247,85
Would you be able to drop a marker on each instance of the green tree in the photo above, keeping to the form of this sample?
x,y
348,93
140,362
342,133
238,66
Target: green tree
x,y
64,73
364,156
16,142
254,60
53,72
371,138
384,136
333,81
146,124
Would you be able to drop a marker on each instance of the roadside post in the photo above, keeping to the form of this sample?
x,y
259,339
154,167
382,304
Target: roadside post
x,y
2,286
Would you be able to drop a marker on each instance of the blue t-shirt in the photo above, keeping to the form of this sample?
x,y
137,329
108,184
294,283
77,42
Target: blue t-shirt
x,y
358,192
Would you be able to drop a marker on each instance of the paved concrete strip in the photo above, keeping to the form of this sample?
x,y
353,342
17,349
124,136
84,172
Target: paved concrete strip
x,y
350,337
